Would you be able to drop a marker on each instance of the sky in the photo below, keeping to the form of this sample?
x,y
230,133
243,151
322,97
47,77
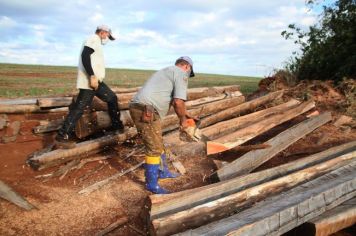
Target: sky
x,y
234,37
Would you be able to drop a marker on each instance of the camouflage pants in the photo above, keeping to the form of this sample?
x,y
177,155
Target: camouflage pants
x,y
151,132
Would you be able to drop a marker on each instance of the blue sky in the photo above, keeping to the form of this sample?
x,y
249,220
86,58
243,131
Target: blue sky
x,y
222,37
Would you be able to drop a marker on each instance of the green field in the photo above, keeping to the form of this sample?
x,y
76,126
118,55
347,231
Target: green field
x,y
36,80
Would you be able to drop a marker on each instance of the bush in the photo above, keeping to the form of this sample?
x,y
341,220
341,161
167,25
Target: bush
x,y
328,49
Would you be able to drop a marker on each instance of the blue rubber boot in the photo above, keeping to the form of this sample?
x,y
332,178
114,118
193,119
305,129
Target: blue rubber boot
x,y
164,172
151,174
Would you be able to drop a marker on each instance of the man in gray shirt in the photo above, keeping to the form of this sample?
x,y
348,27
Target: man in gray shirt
x,y
152,102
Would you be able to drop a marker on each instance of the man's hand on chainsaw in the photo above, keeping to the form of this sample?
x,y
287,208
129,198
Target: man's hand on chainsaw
x,y
94,83
189,131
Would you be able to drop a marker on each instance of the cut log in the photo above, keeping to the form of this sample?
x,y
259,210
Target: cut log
x,y
97,121
125,90
205,100
196,93
14,109
253,159
54,102
241,109
20,101
225,127
279,214
172,121
241,136
10,195
163,205
182,148
331,221
223,207
81,150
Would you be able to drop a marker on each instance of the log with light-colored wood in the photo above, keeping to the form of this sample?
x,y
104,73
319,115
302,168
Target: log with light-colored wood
x,y
253,159
225,206
224,127
243,135
163,205
283,212
19,109
82,150
241,109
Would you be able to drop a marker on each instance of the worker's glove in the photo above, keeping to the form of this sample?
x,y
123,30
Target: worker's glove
x,y
94,82
189,131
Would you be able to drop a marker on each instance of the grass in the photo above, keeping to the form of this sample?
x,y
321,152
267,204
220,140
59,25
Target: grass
x,y
36,80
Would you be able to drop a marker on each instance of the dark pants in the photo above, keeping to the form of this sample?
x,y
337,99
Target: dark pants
x,y
84,99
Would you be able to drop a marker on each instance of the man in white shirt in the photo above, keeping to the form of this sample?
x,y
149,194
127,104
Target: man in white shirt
x,y
91,73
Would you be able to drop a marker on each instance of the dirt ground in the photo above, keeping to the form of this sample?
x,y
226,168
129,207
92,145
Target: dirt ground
x,y
62,211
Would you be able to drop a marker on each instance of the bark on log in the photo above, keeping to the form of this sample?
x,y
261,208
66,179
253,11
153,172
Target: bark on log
x,y
241,109
81,150
163,205
207,109
96,121
241,136
253,159
279,214
181,148
20,101
223,207
15,109
10,195
331,221
124,98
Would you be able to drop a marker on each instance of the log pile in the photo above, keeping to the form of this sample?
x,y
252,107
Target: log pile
x,y
235,205
268,202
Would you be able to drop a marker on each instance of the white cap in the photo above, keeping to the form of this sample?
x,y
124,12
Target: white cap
x,y
107,29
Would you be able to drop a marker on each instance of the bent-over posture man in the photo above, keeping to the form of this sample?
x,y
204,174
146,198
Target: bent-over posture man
x,y
166,87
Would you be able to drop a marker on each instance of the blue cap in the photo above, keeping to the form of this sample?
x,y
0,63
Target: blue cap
x,y
190,61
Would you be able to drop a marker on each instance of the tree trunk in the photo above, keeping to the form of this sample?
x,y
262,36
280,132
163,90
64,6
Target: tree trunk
x,y
81,150
253,159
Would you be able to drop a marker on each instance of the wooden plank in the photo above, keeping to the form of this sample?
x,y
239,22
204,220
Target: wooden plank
x,y
7,193
223,207
243,135
163,205
253,159
241,109
81,150
283,212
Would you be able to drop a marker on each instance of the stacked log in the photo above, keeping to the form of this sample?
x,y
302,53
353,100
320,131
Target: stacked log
x,y
196,208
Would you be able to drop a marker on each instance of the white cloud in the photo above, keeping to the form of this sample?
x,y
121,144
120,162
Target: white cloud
x,y
239,37
7,22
